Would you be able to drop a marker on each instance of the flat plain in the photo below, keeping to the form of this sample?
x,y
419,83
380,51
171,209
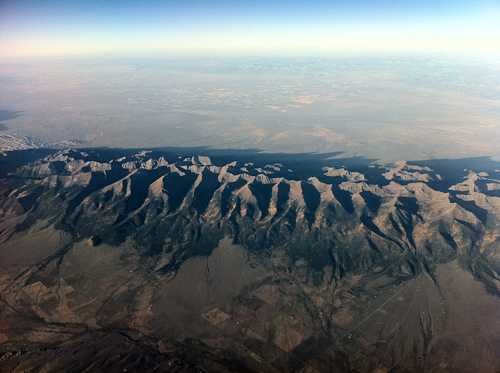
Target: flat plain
x,y
387,108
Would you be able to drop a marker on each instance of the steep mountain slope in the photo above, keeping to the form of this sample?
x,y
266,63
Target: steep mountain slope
x,y
236,266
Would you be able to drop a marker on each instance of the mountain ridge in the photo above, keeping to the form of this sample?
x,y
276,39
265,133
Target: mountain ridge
x,y
135,192
391,225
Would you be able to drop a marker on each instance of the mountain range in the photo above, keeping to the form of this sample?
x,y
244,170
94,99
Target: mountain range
x,y
144,260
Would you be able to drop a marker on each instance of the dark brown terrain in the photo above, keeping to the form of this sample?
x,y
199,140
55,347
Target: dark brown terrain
x,y
117,260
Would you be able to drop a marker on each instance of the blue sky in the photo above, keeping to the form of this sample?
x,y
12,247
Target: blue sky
x,y
192,27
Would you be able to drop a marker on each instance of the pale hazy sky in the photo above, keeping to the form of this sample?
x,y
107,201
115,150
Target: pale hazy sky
x,y
211,27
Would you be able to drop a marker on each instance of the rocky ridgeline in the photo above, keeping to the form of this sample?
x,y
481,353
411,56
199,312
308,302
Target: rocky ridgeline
x,y
404,217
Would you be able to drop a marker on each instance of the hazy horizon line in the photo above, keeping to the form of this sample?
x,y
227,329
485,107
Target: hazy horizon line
x,y
257,55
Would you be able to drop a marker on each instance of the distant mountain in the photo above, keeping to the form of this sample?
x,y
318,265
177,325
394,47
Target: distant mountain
x,y
18,141
116,261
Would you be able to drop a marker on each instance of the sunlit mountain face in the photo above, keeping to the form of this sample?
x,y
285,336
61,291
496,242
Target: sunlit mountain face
x,y
250,186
